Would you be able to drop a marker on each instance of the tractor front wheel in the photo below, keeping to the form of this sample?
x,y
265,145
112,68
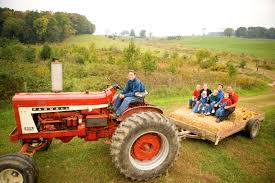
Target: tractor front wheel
x,y
144,145
17,168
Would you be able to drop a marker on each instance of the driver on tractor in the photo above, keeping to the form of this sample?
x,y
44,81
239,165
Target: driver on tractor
x,y
133,92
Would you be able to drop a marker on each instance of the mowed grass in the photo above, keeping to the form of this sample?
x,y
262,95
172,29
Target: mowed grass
x,y
262,48
235,159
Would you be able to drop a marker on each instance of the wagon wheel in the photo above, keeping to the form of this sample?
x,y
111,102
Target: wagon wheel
x,y
252,128
144,146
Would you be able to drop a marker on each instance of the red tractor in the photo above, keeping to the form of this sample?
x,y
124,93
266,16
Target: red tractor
x,y
144,142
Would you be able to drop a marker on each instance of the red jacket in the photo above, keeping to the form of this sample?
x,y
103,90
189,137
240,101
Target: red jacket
x,y
196,93
234,97
228,101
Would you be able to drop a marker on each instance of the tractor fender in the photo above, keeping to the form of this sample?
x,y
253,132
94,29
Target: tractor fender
x,y
138,109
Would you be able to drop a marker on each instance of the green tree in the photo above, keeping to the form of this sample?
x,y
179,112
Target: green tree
x,y
81,24
54,31
271,33
65,25
142,33
12,27
46,52
241,32
132,33
228,32
40,27
131,55
124,33
148,62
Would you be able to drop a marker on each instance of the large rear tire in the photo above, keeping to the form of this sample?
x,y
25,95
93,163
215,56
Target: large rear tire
x,y
17,168
145,145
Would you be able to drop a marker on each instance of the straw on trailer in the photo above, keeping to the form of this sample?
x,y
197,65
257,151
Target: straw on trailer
x,y
237,118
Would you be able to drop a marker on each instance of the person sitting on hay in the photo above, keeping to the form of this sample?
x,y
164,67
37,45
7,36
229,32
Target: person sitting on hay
x,y
202,104
228,109
194,99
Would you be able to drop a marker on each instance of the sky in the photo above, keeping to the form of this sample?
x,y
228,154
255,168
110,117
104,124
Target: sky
x,y
161,17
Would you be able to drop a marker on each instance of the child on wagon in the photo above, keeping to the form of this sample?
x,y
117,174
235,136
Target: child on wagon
x,y
201,104
194,99
214,99
226,101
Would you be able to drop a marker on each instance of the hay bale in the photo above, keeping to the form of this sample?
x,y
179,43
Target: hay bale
x,y
236,119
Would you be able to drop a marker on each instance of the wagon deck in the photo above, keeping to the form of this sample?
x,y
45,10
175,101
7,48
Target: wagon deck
x,y
193,125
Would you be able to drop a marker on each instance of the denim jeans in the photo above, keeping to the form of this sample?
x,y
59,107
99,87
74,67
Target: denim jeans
x,y
222,113
122,104
199,107
210,107
192,103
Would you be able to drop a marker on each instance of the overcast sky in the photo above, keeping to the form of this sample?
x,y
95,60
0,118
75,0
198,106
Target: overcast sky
x,y
161,17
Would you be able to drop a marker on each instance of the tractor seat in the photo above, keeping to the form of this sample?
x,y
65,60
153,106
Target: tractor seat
x,y
141,101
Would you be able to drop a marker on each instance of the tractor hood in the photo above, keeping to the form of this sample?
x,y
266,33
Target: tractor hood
x,y
63,98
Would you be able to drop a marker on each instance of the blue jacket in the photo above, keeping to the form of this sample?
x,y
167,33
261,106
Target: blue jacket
x,y
220,96
133,86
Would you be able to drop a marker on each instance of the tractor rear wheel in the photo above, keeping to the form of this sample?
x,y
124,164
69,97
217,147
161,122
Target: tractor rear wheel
x,y
17,168
144,145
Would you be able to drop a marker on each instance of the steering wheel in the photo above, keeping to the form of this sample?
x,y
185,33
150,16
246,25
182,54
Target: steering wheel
x,y
116,84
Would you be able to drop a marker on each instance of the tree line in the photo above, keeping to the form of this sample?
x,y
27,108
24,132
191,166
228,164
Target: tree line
x,y
251,32
44,26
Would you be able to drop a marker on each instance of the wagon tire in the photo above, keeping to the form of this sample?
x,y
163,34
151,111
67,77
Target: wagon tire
x,y
144,146
252,128
17,167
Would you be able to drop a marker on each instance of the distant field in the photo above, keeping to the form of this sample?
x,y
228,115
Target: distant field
x,y
263,48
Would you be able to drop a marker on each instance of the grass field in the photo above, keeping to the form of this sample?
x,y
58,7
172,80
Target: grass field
x,y
262,48
235,159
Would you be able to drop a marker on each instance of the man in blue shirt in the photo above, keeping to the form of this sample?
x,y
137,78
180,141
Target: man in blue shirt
x,y
128,94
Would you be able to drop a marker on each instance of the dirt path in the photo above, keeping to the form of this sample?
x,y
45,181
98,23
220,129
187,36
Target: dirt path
x,y
261,101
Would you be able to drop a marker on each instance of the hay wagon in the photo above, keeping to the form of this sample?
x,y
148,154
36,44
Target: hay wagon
x,y
198,126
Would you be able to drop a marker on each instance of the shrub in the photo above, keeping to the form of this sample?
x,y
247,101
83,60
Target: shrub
x,y
46,52
172,68
166,54
79,59
208,63
218,67
242,64
7,53
175,55
148,62
232,71
131,55
10,83
202,54
30,54
247,82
